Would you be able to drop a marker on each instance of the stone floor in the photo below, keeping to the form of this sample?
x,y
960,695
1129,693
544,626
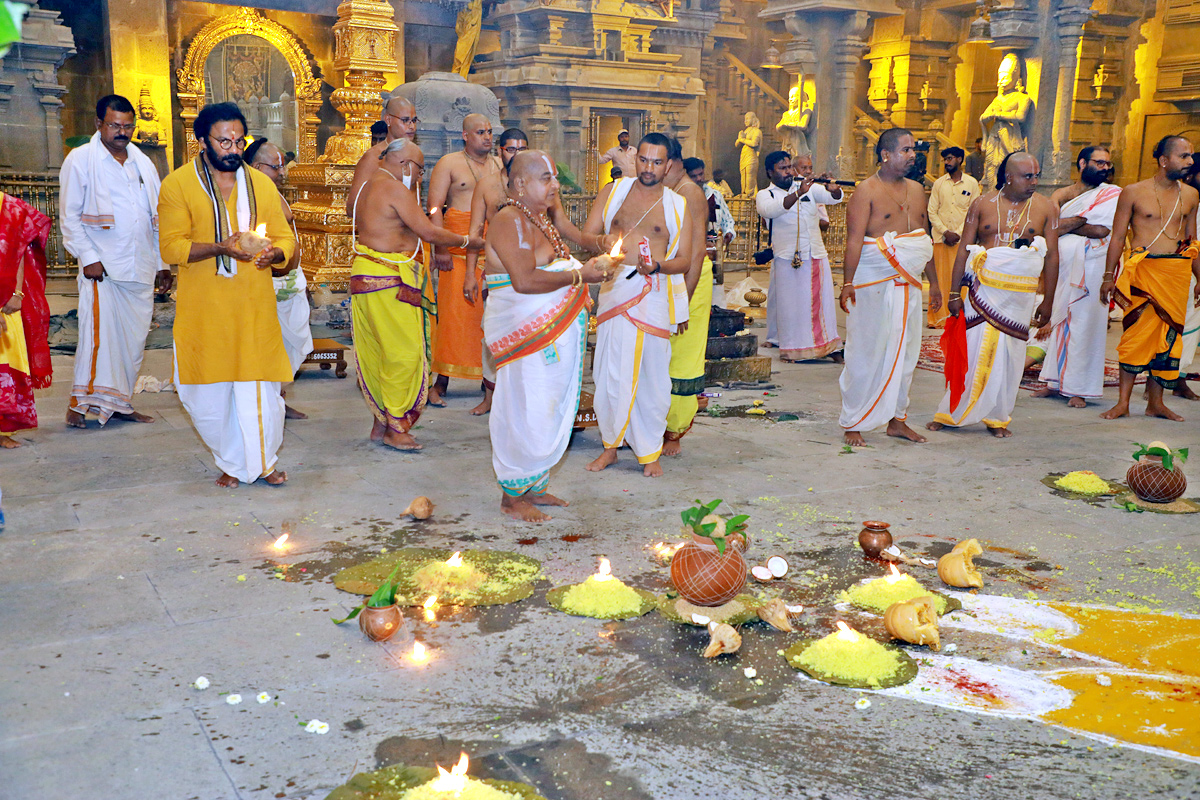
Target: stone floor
x,y
126,574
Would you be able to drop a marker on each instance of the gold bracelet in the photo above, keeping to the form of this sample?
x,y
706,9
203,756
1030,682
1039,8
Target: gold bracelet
x,y
956,294
576,277
18,294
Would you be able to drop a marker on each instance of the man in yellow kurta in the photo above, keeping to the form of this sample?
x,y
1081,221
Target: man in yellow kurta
x,y
214,215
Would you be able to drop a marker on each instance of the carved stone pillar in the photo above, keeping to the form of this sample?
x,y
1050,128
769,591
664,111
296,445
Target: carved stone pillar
x,y
1071,16
30,93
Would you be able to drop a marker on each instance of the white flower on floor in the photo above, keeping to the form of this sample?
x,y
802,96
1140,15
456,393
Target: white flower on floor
x,y
263,698
233,699
316,726
862,703
200,683
749,672
1104,680
950,648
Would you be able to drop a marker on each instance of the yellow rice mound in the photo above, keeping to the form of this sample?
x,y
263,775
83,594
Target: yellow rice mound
x,y
447,582
1083,481
878,594
862,659
475,790
601,599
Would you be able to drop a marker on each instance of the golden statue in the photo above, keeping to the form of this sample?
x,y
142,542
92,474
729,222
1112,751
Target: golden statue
x,y
796,124
467,27
148,132
750,139
1006,120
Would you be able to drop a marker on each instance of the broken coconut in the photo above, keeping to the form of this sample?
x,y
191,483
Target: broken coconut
x,y
957,569
778,566
914,621
775,614
419,508
725,639
761,574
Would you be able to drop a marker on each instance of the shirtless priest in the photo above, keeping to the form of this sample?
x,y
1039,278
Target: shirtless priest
x,y
535,326
887,246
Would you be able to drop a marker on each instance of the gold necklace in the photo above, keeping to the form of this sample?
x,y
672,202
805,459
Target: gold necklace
x,y
1167,222
903,205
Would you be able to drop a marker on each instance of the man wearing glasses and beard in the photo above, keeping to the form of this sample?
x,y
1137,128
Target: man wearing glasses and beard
x,y
223,224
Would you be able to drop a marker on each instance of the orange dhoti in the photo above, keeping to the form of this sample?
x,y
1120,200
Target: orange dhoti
x,y
458,342
943,263
1152,290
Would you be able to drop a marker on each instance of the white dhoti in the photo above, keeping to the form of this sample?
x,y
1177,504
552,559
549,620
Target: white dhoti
x,y
1191,332
883,330
537,343
291,302
114,318
1003,289
240,422
805,316
1074,364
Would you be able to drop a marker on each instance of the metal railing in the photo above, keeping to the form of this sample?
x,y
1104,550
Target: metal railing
x,y
40,190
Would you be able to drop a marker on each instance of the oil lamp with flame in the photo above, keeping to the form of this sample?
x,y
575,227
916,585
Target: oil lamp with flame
x,y
604,573
454,781
430,605
420,654
895,574
455,560
281,542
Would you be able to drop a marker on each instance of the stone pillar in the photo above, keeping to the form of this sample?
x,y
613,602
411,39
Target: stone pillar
x,y
141,57
30,94
849,45
1071,16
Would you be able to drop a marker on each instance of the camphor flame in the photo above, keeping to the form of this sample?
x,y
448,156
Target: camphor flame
x,y
895,576
454,781
845,632
261,230
419,654
429,606
616,248
605,571
454,560
280,542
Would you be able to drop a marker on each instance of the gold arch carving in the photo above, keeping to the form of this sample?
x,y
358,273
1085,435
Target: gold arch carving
x,y
190,77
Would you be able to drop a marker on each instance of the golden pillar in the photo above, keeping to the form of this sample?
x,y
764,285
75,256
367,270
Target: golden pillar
x,y
365,38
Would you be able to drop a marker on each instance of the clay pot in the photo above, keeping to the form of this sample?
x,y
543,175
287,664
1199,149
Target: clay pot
x,y
1154,483
380,624
874,538
705,577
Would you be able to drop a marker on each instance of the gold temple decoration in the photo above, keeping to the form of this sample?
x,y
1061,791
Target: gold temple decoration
x,y
247,21
365,38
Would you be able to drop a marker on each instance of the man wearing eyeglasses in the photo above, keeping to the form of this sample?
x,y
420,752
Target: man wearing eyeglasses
x,y
291,288
223,224
109,218
400,116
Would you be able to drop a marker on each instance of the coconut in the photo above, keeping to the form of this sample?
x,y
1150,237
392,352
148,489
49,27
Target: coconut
x,y
420,508
714,519
778,566
761,573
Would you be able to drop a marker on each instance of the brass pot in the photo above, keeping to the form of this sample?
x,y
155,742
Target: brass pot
x,y
380,624
874,538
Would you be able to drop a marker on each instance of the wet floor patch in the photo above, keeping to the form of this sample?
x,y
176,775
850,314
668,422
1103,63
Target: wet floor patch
x,y
756,412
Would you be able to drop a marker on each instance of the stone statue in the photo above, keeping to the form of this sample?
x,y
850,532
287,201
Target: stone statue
x,y
1007,120
467,27
797,123
148,132
750,140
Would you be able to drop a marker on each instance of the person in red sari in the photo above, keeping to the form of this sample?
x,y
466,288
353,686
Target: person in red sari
x,y
24,316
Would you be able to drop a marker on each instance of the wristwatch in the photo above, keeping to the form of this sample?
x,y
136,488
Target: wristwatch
x,y
657,268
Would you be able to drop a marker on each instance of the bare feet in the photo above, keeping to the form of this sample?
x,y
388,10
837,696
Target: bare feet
x,y
522,509
653,469
276,477
999,433
401,441
8,443
1121,409
854,439
227,481
378,429
1077,402
1154,409
483,407
435,397
671,447
900,430
75,419
1045,392
1185,391
934,426
606,459
133,416
291,413
546,499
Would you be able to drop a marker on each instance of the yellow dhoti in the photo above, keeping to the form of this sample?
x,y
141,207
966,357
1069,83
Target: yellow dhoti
x,y
391,308
687,358
1152,290
943,264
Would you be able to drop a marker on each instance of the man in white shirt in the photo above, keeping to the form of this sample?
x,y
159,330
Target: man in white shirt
x,y
801,317
108,213
623,155
951,196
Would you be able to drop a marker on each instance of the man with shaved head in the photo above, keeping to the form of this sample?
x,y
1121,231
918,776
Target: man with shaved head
x,y
400,116
1159,217
1010,241
536,327
392,294
457,347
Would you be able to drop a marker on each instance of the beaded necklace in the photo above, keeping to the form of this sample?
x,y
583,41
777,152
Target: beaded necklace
x,y
543,224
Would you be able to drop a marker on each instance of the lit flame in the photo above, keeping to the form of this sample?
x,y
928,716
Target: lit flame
x,y
616,248
280,542
419,654
261,230
845,633
605,571
895,576
454,560
665,550
454,781
429,606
